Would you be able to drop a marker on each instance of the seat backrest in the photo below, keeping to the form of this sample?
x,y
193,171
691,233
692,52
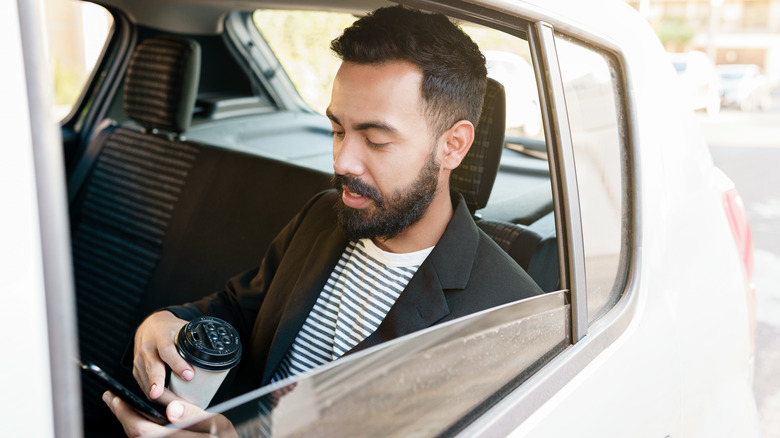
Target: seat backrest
x,y
533,248
544,266
477,172
123,196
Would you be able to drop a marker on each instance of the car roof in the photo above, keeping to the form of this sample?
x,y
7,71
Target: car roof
x,y
206,16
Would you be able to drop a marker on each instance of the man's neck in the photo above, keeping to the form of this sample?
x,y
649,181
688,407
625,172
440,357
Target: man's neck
x,y
424,233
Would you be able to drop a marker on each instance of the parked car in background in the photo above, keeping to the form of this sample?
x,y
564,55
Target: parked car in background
x,y
700,80
745,87
155,188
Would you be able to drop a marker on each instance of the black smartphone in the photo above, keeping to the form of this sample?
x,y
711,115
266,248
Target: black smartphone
x,y
136,402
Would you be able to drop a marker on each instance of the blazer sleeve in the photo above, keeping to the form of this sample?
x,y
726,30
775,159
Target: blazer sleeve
x,y
240,300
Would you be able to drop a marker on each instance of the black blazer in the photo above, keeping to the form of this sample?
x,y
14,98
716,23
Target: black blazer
x,y
466,272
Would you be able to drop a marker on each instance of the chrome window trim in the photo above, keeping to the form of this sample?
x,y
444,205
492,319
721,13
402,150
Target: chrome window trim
x,y
563,173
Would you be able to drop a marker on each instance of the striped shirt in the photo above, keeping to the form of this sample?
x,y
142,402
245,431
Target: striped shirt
x,y
362,288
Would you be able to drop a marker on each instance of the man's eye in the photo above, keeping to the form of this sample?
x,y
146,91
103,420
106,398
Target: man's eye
x,y
336,134
376,145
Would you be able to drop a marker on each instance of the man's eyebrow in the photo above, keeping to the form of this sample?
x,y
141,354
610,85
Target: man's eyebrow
x,y
379,125
331,116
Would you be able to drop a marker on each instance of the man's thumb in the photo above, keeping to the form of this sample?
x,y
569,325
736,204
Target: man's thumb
x,y
175,411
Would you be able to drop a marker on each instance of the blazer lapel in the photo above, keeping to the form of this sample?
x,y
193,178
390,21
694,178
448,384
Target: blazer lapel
x,y
323,256
423,302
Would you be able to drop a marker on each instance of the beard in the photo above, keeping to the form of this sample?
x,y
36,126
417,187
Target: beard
x,y
387,218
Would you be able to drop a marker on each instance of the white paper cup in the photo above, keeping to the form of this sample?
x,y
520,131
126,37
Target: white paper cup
x,y
212,347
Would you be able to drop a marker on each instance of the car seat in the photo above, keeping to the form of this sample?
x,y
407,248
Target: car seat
x,y
534,246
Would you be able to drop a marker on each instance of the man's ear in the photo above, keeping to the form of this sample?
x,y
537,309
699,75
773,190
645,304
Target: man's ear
x,y
458,141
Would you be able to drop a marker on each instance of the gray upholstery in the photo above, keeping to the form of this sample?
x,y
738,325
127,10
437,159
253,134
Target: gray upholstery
x,y
533,247
517,240
161,83
476,174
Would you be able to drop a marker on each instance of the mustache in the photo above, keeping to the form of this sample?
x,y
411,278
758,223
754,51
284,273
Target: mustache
x,y
355,185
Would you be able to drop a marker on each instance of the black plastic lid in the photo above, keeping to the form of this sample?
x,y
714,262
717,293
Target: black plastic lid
x,y
209,343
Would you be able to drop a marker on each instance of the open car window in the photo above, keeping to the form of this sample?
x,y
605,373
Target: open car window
x,y
440,380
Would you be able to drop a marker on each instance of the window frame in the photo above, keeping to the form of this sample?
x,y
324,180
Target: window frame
x,y
102,84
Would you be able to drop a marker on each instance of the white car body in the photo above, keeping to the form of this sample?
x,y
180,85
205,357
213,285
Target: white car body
x,y
673,358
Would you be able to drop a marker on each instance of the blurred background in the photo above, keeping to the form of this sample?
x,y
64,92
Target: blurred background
x,y
726,53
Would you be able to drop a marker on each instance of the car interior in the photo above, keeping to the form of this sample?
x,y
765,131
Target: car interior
x,y
195,167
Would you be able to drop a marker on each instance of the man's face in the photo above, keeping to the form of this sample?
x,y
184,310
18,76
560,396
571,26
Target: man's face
x,y
385,158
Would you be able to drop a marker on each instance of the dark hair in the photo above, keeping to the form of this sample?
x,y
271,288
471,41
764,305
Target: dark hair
x,y
452,65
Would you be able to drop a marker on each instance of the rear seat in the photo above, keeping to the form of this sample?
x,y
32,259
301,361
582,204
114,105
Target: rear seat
x,y
157,219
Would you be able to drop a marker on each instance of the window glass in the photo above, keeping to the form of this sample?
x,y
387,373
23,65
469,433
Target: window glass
x,y
509,62
76,34
592,105
300,41
430,384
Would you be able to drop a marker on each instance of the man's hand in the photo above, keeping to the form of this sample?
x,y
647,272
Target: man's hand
x,y
180,413
154,348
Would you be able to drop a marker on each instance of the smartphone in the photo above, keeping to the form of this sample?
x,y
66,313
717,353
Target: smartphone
x,y
136,402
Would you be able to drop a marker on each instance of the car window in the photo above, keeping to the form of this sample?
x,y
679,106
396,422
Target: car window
x,y
432,383
592,104
303,54
76,33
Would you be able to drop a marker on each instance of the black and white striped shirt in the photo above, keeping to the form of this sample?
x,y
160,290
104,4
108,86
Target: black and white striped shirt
x,y
363,286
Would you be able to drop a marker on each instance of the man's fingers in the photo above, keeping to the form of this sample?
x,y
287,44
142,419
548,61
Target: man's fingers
x,y
178,365
180,412
195,419
133,423
155,375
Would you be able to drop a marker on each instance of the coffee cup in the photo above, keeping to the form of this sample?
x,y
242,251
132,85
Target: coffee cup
x,y
212,347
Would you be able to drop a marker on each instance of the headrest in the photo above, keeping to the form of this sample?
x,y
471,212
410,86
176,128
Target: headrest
x,y
476,174
161,83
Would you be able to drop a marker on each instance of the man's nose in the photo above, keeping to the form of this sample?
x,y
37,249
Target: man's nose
x,y
348,156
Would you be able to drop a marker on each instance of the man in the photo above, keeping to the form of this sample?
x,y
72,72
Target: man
x,y
391,250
